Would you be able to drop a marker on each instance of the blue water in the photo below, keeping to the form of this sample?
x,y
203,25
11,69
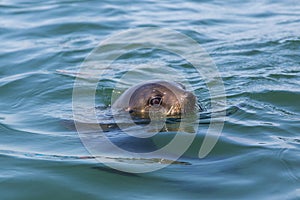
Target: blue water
x,y
255,46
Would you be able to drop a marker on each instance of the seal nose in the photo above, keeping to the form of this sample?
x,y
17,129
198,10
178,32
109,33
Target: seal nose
x,y
188,96
188,101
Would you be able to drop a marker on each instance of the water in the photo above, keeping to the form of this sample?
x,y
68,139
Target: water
x,y
255,46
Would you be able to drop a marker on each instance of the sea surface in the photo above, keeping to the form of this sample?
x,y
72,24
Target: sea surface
x,y
255,46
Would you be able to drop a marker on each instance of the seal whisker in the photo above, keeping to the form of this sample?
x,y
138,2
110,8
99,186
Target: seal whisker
x,y
170,110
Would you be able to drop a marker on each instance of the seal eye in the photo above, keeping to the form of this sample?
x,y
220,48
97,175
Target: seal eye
x,y
155,101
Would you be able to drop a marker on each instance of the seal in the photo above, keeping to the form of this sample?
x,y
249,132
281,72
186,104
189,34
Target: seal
x,y
170,99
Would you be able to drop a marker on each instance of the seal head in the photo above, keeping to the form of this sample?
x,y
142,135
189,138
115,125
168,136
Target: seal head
x,y
168,98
